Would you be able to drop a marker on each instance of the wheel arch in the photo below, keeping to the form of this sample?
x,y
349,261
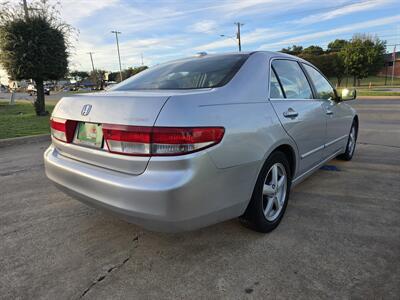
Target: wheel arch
x,y
290,154
355,119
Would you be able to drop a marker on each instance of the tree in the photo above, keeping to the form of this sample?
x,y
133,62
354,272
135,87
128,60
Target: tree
x,y
114,76
33,45
79,75
363,56
294,50
337,67
313,50
336,45
97,77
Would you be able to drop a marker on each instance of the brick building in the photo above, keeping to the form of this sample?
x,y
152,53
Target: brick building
x,y
388,65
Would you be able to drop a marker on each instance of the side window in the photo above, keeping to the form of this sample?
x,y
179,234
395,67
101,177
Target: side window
x,y
293,80
275,87
322,86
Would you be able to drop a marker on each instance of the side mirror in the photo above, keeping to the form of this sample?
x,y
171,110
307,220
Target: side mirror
x,y
347,94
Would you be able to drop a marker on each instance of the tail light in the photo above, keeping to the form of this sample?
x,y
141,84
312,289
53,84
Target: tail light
x,y
62,129
157,141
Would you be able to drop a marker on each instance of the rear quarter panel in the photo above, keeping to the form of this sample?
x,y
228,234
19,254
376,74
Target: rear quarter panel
x,y
252,129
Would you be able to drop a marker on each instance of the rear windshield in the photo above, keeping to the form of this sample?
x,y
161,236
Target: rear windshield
x,y
194,73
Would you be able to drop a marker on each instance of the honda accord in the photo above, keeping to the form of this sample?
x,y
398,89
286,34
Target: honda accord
x,y
200,140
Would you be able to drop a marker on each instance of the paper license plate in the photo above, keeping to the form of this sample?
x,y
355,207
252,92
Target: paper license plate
x,y
89,134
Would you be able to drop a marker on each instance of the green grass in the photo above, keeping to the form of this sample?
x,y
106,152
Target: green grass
x,y
365,92
20,120
374,80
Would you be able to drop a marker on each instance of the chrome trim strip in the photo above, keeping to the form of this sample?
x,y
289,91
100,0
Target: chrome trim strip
x,y
336,140
312,151
323,146
301,177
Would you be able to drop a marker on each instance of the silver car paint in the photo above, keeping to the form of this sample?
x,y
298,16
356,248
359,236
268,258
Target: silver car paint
x,y
195,190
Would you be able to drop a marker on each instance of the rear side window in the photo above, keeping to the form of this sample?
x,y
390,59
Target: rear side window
x,y
292,79
322,86
275,87
193,73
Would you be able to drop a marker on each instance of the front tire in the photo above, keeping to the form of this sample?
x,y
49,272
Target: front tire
x,y
351,143
271,194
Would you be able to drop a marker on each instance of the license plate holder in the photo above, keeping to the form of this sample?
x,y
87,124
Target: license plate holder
x,y
89,134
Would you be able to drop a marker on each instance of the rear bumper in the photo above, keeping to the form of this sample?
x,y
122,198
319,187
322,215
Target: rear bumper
x,y
173,194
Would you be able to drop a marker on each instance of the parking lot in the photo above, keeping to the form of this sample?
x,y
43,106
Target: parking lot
x,y
340,236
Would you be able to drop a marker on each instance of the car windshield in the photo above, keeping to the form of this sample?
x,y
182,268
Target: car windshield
x,y
194,73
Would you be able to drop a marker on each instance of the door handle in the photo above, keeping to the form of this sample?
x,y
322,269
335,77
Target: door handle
x,y
290,113
329,112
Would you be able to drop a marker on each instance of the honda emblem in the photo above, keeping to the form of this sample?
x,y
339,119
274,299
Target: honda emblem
x,y
86,109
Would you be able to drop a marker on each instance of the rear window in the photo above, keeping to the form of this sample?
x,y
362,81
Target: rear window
x,y
195,73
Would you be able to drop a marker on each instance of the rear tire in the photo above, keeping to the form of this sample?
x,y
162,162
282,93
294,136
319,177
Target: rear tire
x,y
351,143
270,195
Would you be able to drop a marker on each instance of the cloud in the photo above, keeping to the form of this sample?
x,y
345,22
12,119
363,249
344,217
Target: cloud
x,y
333,32
105,55
248,38
73,11
205,26
342,11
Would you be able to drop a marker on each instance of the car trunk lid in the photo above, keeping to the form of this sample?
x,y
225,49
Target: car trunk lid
x,y
124,108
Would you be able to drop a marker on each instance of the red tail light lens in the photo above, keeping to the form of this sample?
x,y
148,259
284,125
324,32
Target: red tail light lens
x,y
62,129
175,141
147,141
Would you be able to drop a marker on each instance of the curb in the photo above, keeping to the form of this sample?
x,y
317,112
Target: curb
x,y
25,140
378,98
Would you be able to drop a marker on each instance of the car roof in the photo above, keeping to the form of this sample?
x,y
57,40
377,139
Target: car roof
x,y
266,53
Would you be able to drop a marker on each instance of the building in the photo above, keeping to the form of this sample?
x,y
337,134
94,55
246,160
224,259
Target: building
x,y
387,69
13,84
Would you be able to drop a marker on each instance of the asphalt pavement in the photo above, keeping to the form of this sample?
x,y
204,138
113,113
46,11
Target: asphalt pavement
x,y
340,237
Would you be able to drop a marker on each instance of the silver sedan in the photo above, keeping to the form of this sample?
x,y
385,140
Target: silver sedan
x,y
200,140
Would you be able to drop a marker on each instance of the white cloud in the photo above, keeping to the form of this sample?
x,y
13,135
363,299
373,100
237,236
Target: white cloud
x,y
205,26
73,11
249,38
342,11
105,55
333,32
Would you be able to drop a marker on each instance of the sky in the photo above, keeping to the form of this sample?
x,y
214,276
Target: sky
x,y
163,30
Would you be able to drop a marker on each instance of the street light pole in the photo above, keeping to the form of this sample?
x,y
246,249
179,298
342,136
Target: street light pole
x,y
119,56
238,35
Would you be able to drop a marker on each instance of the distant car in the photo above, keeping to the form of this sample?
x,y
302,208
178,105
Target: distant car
x,y
31,89
196,141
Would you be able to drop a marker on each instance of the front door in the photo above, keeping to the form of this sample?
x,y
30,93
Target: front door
x,y
302,116
336,115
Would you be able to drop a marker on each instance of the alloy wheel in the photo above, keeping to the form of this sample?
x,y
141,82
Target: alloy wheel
x,y
274,191
352,140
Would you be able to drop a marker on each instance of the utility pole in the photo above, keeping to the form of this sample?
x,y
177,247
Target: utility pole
x,y
394,61
141,56
119,56
91,59
238,24
25,9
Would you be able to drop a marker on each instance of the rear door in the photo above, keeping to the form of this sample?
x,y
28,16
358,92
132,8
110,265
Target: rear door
x,y
336,115
302,116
